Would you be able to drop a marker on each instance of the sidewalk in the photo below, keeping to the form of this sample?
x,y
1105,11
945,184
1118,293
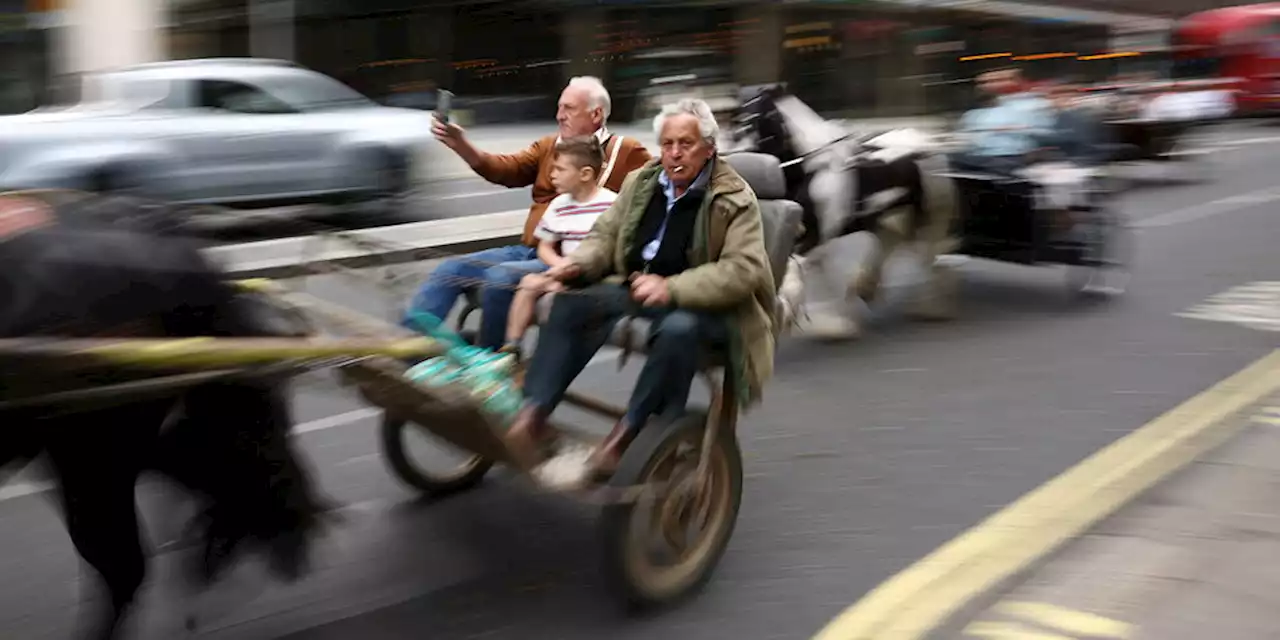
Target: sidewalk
x,y
1197,557
437,163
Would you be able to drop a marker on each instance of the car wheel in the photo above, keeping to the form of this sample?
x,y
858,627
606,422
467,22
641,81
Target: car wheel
x,y
120,181
390,191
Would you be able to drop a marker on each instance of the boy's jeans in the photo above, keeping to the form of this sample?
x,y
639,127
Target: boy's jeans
x,y
503,266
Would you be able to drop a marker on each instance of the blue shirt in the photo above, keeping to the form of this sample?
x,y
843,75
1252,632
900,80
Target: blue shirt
x,y
668,189
1032,114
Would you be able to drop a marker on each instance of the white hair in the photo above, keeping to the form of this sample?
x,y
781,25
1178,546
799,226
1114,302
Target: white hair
x,y
597,95
707,125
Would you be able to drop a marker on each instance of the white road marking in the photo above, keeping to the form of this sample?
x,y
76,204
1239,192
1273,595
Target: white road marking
x,y
1255,305
1209,209
338,420
1264,140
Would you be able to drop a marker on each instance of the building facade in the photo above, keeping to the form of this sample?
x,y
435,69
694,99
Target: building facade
x,y
509,58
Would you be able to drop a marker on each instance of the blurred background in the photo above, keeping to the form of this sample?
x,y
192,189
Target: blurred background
x,y
507,60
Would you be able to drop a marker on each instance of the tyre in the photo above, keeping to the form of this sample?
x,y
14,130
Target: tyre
x,y
659,550
390,187
432,483
118,181
471,305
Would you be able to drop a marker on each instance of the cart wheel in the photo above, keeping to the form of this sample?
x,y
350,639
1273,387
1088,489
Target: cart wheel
x,y
659,549
432,483
471,306
1109,274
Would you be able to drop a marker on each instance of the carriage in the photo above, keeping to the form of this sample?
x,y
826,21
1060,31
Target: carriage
x,y
1022,220
668,511
1059,215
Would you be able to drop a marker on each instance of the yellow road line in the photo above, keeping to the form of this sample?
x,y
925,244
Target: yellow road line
x,y
1268,415
1063,619
918,599
1009,631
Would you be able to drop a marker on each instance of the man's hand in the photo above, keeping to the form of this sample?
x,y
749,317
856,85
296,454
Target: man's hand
x,y
650,290
449,134
565,271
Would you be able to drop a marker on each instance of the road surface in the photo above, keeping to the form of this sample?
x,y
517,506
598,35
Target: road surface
x,y
863,458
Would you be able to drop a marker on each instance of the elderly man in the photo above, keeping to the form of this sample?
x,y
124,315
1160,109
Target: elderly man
x,y
1005,134
683,245
583,111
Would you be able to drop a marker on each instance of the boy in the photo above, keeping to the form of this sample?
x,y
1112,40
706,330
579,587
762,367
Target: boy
x,y
575,173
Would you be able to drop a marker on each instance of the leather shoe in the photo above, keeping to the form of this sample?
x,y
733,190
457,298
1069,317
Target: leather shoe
x,y
604,460
528,432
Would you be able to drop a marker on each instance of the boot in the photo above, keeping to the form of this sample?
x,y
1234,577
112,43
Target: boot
x,y
605,459
527,436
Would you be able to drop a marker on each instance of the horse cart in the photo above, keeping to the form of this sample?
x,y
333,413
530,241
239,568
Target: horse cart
x,y
1030,220
668,511
1056,213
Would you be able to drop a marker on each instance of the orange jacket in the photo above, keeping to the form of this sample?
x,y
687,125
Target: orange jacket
x,y
532,166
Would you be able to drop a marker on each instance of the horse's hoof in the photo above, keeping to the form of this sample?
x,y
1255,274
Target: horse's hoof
x,y
938,308
831,327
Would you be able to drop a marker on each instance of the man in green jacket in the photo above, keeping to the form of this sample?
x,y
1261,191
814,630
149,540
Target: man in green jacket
x,y
683,245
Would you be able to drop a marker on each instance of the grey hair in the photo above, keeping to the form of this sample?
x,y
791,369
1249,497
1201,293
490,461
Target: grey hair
x,y
708,127
597,95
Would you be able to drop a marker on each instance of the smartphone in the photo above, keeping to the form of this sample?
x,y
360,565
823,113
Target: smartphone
x,y
444,102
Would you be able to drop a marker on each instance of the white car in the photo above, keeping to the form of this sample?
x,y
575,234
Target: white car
x,y
217,131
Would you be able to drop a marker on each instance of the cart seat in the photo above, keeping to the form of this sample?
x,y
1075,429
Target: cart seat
x,y
782,221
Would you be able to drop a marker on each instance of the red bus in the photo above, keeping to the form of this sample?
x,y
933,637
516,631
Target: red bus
x,y
1240,45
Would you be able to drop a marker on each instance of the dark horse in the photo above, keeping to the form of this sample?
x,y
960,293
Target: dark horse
x,y
74,265
886,184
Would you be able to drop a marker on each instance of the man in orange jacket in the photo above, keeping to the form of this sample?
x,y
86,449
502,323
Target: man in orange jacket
x,y
583,111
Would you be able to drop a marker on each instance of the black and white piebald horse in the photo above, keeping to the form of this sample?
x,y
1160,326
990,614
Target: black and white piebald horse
x,y
888,184
77,265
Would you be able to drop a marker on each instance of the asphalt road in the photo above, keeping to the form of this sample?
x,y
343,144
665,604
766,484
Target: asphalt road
x,y
863,458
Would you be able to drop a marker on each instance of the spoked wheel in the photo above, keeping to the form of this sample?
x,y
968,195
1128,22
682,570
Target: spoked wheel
x,y
665,545
427,463
1108,265
471,306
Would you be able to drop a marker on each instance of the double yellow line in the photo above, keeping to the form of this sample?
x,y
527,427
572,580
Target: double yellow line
x,y
922,597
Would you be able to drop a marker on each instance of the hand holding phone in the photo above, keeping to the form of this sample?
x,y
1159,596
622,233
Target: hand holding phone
x,y
444,104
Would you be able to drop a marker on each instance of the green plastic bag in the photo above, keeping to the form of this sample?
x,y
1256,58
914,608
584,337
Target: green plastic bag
x,y
485,374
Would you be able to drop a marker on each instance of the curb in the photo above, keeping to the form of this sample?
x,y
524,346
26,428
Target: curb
x,y
378,246
921,598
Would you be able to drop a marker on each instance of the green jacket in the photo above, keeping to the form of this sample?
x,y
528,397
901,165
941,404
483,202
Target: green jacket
x,y
729,268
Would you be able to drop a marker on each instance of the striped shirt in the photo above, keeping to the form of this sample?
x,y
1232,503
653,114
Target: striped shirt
x,y
568,221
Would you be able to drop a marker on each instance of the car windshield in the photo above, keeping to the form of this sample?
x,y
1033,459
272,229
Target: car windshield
x,y
308,92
